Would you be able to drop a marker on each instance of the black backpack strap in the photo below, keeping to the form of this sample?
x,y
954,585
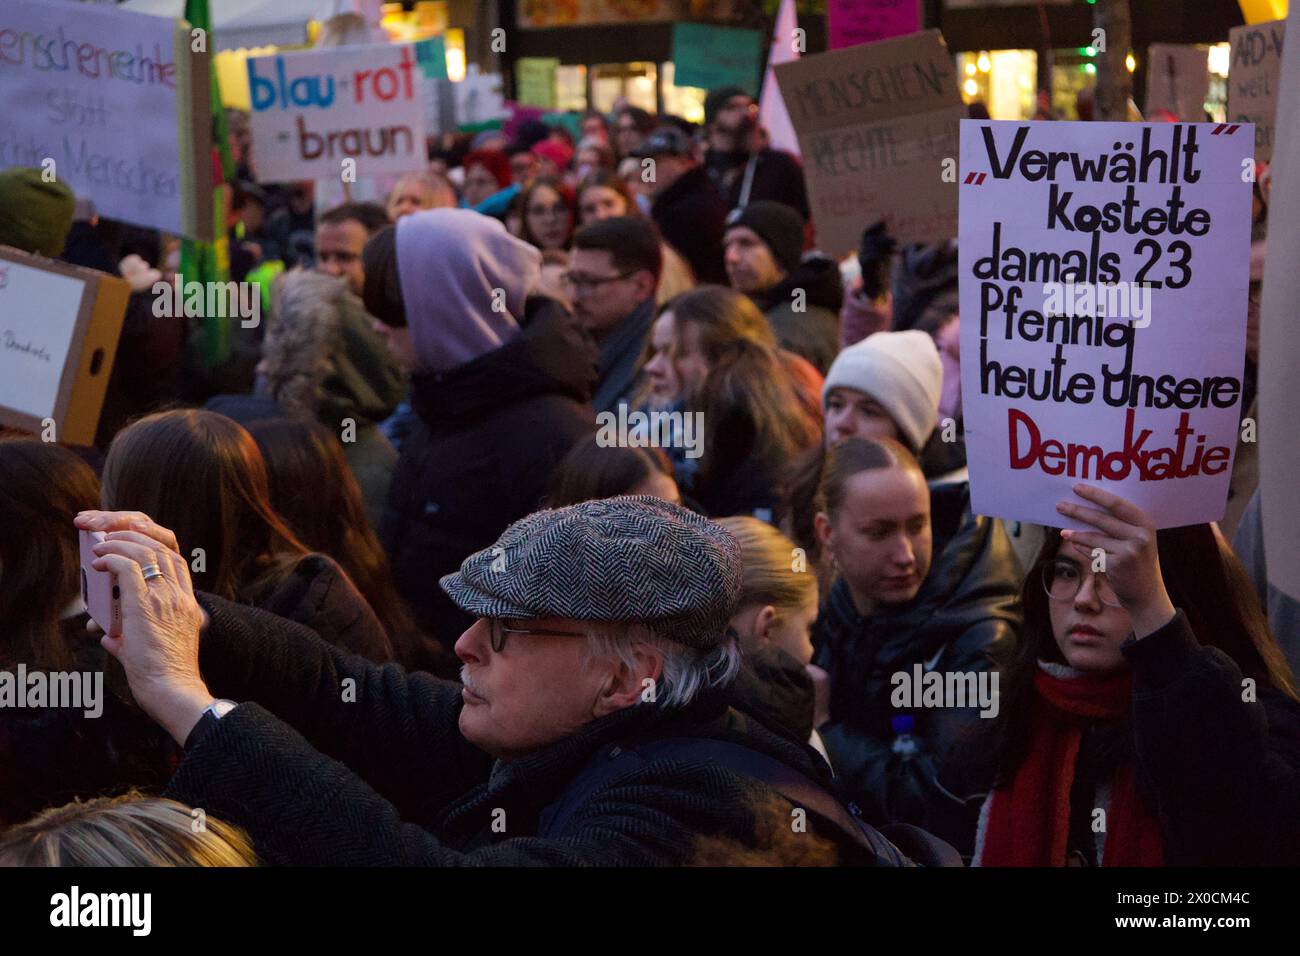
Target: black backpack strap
x,y
614,761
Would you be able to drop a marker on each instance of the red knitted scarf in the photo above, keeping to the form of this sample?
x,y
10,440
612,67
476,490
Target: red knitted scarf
x,y
1028,823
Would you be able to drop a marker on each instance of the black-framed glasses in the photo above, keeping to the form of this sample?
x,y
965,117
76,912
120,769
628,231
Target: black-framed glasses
x,y
1062,580
588,282
499,632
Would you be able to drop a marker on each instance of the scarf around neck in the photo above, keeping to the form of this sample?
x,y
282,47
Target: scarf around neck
x,y
1028,822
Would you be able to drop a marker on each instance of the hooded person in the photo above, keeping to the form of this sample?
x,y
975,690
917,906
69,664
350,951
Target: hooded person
x,y
35,214
322,361
501,383
763,253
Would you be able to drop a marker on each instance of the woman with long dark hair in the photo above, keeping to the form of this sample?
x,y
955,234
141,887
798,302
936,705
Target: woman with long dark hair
x,y
201,475
1149,716
332,520
51,754
712,353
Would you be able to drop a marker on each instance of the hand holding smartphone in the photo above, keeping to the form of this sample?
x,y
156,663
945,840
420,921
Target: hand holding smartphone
x,y
99,588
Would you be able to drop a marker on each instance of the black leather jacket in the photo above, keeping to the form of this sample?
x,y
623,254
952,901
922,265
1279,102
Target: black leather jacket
x,y
965,618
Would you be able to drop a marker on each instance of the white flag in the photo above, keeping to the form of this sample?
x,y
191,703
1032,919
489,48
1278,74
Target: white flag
x,y
771,107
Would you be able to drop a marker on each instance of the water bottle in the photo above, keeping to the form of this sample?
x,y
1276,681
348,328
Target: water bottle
x,y
905,745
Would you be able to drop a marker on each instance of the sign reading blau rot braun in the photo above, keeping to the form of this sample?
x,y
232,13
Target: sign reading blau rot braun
x,y
315,109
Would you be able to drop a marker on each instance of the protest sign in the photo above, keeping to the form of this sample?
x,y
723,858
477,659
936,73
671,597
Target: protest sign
x,y
478,98
1178,80
115,104
708,57
59,326
865,21
1103,284
1253,79
314,109
535,81
875,124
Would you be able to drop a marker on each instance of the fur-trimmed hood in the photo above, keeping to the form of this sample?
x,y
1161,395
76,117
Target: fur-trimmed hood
x,y
321,359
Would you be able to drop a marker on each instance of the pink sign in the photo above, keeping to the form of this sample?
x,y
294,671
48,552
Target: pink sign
x,y
866,21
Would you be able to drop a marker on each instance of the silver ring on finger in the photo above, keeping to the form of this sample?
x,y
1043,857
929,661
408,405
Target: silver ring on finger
x,y
151,571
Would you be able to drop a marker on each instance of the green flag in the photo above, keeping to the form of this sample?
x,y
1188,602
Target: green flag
x,y
210,261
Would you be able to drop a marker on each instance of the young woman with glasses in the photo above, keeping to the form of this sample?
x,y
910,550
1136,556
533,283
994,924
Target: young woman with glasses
x,y
1149,717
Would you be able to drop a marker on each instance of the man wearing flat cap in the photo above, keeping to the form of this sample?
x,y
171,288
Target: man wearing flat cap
x,y
591,727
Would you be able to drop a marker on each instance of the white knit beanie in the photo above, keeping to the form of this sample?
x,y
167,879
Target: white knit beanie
x,y
901,372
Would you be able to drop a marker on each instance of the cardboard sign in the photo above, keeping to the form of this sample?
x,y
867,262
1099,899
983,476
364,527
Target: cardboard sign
x,y
59,326
115,104
535,81
313,110
1253,80
866,21
1104,278
875,124
1178,80
708,57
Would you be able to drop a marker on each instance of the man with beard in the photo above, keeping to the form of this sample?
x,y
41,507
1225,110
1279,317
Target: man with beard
x,y
742,170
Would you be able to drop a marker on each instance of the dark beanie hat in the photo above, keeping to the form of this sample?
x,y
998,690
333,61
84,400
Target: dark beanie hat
x,y
717,99
35,215
530,133
381,289
776,224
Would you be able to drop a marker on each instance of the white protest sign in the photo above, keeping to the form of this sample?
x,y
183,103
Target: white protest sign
x,y
59,326
1253,80
1103,280
114,104
313,110
33,342
479,99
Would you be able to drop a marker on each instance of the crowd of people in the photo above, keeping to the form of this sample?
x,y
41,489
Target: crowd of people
x,y
390,595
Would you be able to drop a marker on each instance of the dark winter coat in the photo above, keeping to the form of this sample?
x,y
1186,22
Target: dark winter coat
x,y
480,456
147,367
52,755
776,690
1224,772
732,480
813,330
388,779
965,618
777,176
692,216
318,594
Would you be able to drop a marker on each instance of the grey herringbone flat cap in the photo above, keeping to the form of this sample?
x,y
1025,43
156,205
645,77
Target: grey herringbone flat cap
x,y
635,559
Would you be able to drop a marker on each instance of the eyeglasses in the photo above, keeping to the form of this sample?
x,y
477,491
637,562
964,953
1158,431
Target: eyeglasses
x,y
1062,580
592,282
499,632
